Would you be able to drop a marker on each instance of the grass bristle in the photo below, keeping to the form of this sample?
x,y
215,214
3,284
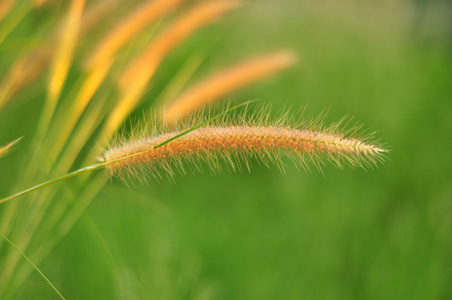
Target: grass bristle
x,y
237,138
4,150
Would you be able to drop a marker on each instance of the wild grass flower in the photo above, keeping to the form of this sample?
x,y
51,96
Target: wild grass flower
x,y
236,139
109,86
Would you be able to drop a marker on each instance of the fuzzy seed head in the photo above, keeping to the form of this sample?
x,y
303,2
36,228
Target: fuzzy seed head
x,y
236,142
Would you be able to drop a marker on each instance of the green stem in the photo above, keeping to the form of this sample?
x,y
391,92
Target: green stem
x,y
44,184
104,164
34,266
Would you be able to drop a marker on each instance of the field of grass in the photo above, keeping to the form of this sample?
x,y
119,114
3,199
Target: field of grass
x,y
384,233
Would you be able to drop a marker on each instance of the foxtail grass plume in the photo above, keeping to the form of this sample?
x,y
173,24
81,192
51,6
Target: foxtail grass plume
x,y
235,140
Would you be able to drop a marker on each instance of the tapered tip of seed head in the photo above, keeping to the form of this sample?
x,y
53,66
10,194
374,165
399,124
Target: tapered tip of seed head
x,y
240,137
380,150
287,57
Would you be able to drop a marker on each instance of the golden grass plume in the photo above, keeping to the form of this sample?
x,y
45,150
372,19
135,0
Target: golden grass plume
x,y
65,50
226,81
136,21
235,139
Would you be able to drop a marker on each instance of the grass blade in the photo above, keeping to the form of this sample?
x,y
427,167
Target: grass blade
x,y
31,263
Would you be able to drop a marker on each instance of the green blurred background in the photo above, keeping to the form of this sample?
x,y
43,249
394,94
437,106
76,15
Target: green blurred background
x,y
345,234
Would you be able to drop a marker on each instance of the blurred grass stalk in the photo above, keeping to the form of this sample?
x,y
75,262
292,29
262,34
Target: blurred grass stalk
x,y
68,120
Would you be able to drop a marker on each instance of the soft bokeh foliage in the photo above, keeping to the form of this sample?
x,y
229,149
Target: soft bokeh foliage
x,y
347,234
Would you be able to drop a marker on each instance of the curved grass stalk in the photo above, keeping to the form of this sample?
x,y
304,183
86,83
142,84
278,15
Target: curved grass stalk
x,y
106,163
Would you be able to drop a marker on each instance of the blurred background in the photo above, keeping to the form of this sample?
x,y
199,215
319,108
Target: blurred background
x,y
344,234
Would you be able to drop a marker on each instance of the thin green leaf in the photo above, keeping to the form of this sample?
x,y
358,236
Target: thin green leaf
x,y
31,263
